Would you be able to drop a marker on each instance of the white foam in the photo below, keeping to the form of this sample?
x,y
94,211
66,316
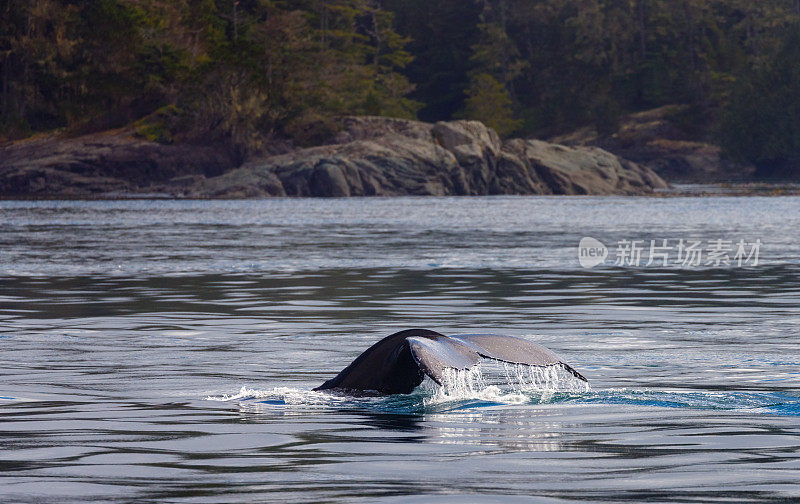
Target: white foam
x,y
490,381
286,395
514,384
542,379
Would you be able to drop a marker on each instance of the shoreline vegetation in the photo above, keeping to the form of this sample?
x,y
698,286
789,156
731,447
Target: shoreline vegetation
x,y
255,98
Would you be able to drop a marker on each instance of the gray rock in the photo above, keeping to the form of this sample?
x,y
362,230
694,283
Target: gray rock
x,y
382,157
587,170
651,139
99,164
370,156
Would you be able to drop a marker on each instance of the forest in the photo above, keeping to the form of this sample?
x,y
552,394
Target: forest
x,y
246,72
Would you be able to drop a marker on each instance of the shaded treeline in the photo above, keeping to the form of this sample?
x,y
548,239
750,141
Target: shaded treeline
x,y
239,71
246,71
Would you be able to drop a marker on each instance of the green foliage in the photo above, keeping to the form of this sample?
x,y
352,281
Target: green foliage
x,y
569,63
760,123
243,71
495,64
239,70
441,33
160,125
489,102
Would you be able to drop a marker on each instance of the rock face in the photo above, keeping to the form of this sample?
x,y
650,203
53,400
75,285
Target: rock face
x,y
103,164
375,156
650,139
370,156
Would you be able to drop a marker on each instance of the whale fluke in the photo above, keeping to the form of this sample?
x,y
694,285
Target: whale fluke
x,y
398,363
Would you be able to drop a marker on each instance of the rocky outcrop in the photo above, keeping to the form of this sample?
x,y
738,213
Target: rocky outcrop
x,y
103,164
369,156
651,138
382,157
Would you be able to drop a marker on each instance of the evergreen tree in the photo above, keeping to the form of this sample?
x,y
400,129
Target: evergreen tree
x,y
243,71
760,123
441,35
495,65
489,102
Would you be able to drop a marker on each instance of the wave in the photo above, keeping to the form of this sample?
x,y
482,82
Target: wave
x,y
515,385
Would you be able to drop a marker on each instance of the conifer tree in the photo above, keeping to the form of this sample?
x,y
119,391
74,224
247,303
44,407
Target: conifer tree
x,y
495,65
489,102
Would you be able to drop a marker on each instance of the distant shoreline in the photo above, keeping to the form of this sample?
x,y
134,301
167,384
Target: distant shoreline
x,y
731,189
745,189
381,156
366,156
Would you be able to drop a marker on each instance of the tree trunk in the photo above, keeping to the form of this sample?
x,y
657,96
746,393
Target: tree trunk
x,y
752,37
4,112
641,19
691,36
323,21
375,32
235,21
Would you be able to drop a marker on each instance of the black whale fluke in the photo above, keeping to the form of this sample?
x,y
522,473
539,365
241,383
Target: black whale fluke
x,y
398,363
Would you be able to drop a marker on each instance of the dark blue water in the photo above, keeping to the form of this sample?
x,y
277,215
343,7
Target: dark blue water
x,y
158,351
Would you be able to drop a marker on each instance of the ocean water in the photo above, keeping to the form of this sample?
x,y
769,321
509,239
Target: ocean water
x,y
166,351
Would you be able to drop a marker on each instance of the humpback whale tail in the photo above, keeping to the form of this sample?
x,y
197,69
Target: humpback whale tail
x,y
398,363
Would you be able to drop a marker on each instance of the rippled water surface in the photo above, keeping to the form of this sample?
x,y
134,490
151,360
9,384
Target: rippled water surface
x,y
165,351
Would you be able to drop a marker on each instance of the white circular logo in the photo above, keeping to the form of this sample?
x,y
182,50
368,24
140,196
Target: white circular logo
x,y
591,252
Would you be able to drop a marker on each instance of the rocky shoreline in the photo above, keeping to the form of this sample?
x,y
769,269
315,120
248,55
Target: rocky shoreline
x,y
370,156
651,138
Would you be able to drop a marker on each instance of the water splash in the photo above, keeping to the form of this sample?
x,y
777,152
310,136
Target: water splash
x,y
282,395
523,378
513,384
495,384
465,384
476,388
486,384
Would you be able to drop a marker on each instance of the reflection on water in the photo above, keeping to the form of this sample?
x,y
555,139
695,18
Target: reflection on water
x,y
119,319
